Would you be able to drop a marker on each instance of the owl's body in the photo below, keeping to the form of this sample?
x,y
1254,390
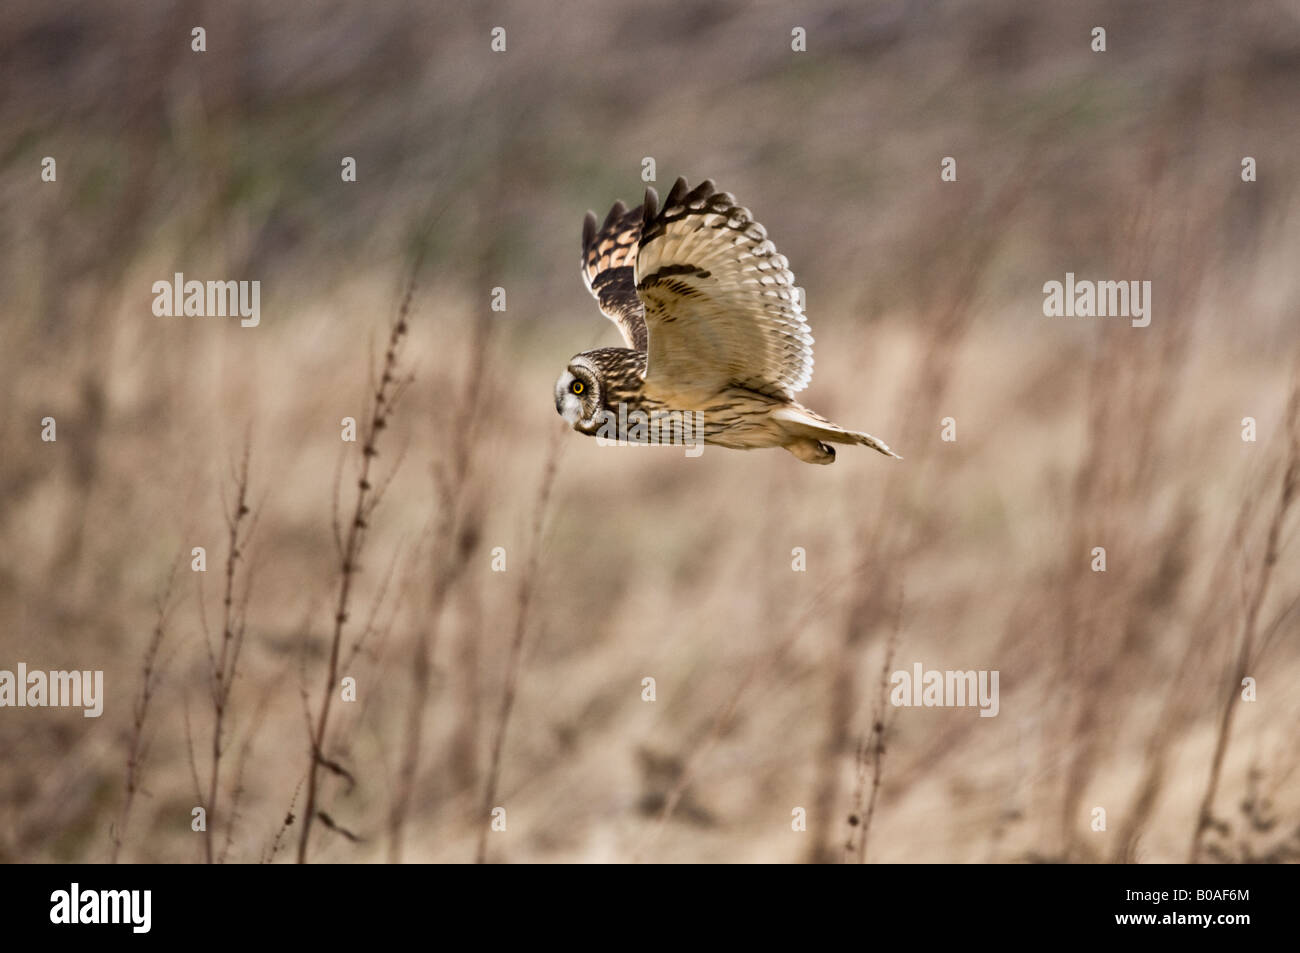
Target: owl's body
x,y
713,323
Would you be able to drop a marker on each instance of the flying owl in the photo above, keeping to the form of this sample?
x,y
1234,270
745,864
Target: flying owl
x,y
713,326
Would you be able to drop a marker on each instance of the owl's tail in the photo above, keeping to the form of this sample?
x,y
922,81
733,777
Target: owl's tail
x,y
804,425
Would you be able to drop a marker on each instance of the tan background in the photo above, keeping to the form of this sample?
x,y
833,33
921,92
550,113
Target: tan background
x,y
926,302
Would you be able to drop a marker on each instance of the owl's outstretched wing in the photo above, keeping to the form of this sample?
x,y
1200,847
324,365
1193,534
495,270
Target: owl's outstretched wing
x,y
720,303
608,255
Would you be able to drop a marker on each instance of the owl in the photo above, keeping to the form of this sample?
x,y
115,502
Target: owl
x,y
715,331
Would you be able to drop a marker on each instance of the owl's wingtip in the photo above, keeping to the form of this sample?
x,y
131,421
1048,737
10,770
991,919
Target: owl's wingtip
x,y
651,206
588,229
677,194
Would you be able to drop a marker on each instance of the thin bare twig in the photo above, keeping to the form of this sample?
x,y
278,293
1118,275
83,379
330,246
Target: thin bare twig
x,y
1246,654
137,746
527,586
451,479
224,664
386,394
855,848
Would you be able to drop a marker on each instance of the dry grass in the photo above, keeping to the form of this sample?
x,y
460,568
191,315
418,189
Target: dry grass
x,y
475,689
349,541
138,742
1249,656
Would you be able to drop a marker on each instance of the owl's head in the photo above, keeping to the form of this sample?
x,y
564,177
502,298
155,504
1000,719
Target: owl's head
x,y
579,395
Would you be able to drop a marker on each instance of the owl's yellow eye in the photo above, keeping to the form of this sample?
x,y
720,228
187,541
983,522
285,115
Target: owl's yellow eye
x,y
576,387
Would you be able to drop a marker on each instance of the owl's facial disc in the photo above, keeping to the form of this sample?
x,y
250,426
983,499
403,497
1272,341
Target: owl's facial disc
x,y
576,398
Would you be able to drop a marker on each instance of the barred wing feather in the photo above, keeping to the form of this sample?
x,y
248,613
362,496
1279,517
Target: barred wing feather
x,y
720,304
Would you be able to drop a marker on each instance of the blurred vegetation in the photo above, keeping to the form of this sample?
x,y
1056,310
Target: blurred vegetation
x,y
926,301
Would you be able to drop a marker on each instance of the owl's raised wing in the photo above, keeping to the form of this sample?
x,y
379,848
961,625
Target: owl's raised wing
x,y
720,303
608,254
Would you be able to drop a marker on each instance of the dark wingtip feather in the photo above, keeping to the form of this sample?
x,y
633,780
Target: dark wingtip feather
x,y
615,213
651,206
588,230
702,191
679,190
